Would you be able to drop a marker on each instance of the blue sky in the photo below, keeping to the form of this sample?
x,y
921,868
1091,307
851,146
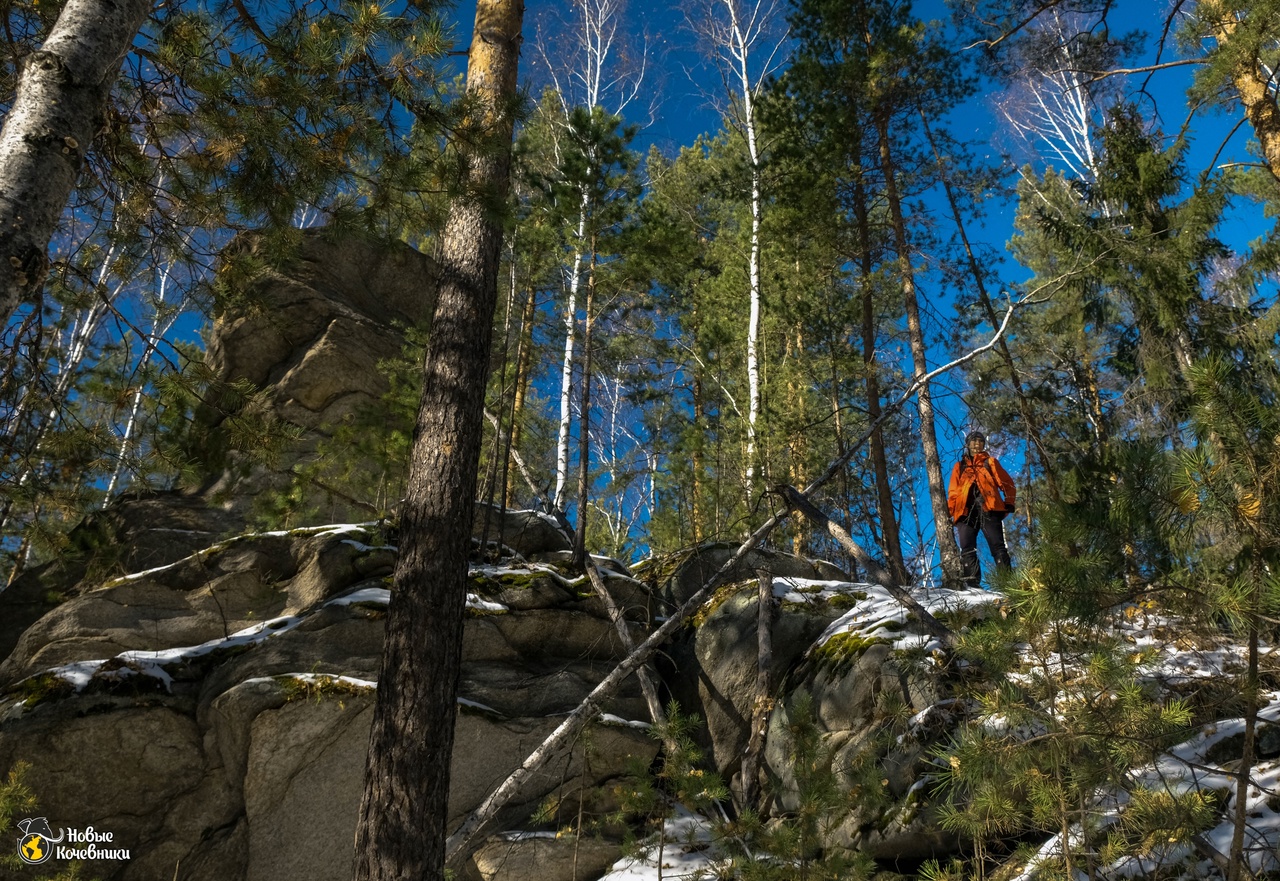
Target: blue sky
x,y
681,80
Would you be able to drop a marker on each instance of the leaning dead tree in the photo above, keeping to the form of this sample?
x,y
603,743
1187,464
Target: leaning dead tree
x,y
568,730
799,502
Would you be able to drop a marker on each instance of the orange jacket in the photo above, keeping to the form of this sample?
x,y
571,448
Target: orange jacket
x,y
992,481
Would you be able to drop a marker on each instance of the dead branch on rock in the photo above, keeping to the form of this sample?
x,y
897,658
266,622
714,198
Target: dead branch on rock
x,y
797,502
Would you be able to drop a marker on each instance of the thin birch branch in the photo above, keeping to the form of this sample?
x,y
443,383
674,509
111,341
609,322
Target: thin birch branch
x,y
515,454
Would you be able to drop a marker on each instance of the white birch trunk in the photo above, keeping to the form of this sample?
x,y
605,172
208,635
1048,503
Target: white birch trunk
x,y
566,369
736,40
753,321
83,330
59,102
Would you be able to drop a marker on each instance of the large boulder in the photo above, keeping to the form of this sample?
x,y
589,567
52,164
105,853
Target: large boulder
x,y
711,666
315,327
134,534
213,713
874,697
683,574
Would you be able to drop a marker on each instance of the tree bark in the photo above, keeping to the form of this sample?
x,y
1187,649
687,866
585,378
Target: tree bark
x,y
763,703
1253,84
879,461
1248,749
57,109
566,367
401,831
584,416
947,548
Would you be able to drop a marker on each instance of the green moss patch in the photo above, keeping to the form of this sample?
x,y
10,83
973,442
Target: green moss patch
x,y
845,648
846,600
319,688
42,688
718,599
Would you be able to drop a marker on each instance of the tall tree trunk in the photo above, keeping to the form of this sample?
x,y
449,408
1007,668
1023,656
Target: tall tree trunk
x,y
57,109
401,831
1248,749
947,548
1252,81
566,367
696,489
753,321
879,461
523,376
584,418
1029,422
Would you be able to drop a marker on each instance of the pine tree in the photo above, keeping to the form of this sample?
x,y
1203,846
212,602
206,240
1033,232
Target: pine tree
x,y
401,831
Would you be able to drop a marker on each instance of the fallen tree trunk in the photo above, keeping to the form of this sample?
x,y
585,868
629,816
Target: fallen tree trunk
x,y
585,711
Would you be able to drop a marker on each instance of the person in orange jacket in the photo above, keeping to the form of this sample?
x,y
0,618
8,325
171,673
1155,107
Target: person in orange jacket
x,y
980,496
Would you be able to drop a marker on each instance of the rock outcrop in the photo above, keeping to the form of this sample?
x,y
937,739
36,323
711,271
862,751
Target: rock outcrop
x,y
213,713
203,692
317,326
310,338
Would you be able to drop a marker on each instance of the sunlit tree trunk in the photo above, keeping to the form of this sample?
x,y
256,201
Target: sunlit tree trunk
x,y
735,30
401,829
585,73
58,106
947,548
566,366
1254,84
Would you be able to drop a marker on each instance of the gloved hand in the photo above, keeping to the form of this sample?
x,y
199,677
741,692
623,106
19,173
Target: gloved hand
x,y
1009,507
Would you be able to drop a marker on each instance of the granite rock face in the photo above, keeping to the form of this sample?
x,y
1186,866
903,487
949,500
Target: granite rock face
x,y
316,327
204,692
213,714
309,339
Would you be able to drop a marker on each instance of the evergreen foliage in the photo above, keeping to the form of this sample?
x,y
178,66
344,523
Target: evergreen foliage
x,y
1141,365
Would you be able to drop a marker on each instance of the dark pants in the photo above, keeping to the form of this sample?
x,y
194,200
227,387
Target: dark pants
x,y
967,528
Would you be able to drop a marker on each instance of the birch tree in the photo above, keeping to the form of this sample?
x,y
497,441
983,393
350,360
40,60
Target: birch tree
x,y
1053,104
401,830
588,63
60,99
747,44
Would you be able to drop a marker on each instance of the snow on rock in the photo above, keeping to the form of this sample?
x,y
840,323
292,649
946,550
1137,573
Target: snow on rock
x,y
380,596
477,604
153,663
877,615
333,529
